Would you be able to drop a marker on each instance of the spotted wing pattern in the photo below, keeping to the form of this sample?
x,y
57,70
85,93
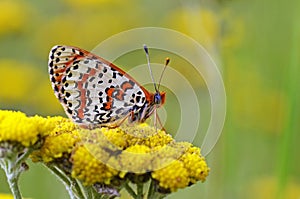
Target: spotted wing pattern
x,y
93,91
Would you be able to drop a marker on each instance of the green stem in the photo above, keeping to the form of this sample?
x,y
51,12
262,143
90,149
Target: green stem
x,y
151,189
157,195
13,166
291,123
161,196
75,188
72,186
64,179
152,193
140,190
89,192
130,190
12,178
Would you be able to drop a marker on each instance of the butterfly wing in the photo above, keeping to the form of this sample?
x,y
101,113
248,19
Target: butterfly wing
x,y
93,91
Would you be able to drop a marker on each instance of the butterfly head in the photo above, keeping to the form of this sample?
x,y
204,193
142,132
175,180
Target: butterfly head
x,y
159,98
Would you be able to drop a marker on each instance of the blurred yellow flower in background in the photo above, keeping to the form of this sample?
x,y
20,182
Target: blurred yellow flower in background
x,y
87,29
233,30
214,29
18,79
6,196
24,86
89,3
267,188
203,24
13,16
252,102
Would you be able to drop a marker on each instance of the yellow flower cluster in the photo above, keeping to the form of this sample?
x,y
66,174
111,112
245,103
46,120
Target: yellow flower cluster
x,y
138,149
186,170
102,155
141,134
173,176
17,127
89,169
59,141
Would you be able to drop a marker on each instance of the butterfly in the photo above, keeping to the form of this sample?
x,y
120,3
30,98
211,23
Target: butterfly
x,y
96,93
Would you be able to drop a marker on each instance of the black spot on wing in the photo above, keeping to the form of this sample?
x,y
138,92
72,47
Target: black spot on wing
x,y
92,79
69,111
76,62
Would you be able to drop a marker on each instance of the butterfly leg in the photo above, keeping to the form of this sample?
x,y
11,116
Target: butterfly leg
x,y
120,122
159,121
155,119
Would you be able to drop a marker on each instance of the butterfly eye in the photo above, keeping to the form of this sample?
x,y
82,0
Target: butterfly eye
x,y
157,98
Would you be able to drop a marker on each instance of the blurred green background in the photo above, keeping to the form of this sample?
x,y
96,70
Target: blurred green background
x,y
256,45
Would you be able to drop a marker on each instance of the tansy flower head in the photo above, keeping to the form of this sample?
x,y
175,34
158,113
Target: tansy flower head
x,y
59,141
185,170
106,159
172,177
17,127
145,135
90,170
136,151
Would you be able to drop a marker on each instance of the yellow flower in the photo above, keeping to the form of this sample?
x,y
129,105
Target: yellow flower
x,y
146,135
195,165
102,155
172,177
235,30
267,187
162,156
186,170
13,16
129,135
90,170
136,159
116,137
88,3
19,79
59,141
6,196
203,24
137,150
17,127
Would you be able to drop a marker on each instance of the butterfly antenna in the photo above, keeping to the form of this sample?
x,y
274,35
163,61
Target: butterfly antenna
x,y
148,62
162,73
